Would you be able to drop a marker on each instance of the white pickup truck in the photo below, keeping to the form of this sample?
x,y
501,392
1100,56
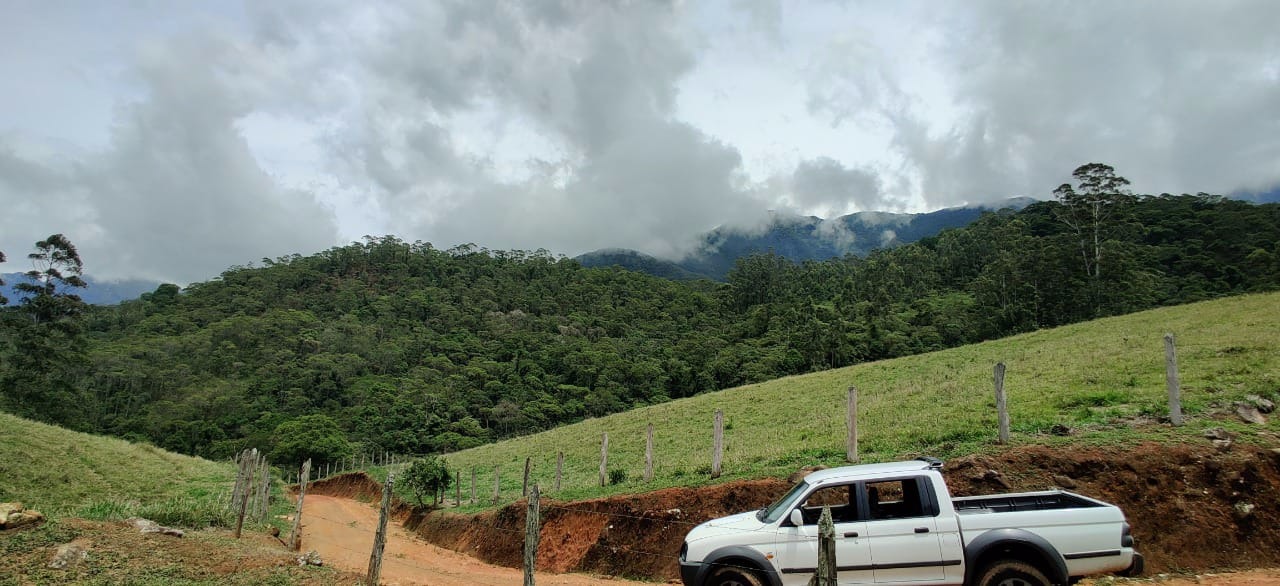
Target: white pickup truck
x,y
897,523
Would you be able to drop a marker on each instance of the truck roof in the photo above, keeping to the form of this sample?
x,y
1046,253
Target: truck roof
x,y
848,472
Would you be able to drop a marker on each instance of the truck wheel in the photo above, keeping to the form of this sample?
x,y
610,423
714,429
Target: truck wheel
x,y
1012,573
733,577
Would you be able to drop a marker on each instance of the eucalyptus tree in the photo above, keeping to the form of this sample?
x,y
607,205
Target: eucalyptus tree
x,y
1091,210
49,350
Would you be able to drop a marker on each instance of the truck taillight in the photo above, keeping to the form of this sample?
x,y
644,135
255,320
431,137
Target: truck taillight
x,y
684,550
1126,537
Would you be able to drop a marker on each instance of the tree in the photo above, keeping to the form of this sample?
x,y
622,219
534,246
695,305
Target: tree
x,y
428,476
1090,210
759,278
309,437
3,300
49,349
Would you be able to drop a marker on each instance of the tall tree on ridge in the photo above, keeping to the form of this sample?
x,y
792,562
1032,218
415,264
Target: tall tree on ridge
x,y
1090,210
49,348
3,300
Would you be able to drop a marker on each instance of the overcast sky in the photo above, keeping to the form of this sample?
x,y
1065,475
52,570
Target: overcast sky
x,y
170,140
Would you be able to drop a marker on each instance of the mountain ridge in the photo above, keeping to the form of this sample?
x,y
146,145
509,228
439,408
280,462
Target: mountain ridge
x,y
96,293
798,238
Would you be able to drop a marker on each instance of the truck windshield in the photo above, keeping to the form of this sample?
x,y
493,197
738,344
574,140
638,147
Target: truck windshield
x,y
772,512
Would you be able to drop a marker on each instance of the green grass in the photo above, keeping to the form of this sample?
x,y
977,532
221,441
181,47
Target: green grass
x,y
1103,379
67,474
62,472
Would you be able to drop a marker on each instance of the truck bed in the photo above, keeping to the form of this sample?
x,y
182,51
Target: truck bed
x,y
1026,501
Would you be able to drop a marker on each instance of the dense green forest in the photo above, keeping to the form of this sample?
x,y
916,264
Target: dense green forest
x,y
404,347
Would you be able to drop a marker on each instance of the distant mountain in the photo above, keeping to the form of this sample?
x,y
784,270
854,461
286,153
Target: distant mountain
x,y
97,293
638,261
798,238
1272,196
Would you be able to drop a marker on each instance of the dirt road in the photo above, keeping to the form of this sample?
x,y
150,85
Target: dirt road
x,y
341,530
1267,577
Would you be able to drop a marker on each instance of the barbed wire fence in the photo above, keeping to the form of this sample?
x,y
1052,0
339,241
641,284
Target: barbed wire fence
x,y
532,533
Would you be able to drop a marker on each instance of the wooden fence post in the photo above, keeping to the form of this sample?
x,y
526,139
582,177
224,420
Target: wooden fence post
x,y
295,536
496,486
250,466
851,427
380,538
251,510
1002,406
826,574
531,529
524,484
717,444
239,487
1171,380
235,488
648,454
266,491
256,499
559,467
604,455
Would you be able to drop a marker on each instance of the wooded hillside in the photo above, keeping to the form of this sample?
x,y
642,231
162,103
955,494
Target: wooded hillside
x,y
401,346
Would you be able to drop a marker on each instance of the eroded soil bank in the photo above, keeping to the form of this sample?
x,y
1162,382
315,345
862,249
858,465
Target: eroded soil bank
x,y
1191,508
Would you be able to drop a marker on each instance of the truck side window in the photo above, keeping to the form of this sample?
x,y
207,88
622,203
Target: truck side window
x,y
842,499
894,499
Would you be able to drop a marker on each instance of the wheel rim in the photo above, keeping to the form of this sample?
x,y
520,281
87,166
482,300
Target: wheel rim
x,y
1013,581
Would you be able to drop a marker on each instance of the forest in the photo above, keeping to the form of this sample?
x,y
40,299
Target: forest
x,y
400,346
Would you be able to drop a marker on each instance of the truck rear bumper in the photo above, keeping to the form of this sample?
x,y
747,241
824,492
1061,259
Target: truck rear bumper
x,y
1135,568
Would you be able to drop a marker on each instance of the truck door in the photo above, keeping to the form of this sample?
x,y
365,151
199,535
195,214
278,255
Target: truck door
x,y
797,547
903,532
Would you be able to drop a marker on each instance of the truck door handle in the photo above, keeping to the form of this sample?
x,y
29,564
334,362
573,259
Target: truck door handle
x,y
851,534
922,529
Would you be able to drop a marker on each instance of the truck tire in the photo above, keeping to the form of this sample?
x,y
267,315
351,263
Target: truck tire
x,y
733,576
1012,573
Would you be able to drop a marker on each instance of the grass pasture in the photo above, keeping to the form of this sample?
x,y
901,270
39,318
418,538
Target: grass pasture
x,y
65,473
1105,380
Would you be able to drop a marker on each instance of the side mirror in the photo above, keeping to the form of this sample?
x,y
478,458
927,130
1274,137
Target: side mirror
x,y
797,518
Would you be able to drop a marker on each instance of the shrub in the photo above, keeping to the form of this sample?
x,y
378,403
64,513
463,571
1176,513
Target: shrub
x,y
617,476
428,476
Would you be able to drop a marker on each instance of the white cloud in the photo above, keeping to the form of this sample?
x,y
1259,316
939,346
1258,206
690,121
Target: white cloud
x,y
186,138
176,194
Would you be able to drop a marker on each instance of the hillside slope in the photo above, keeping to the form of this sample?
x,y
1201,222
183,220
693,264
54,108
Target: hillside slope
x,y
1100,382
56,470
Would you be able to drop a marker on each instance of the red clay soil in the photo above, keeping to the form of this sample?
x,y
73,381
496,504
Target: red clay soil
x,y
357,486
1189,508
635,536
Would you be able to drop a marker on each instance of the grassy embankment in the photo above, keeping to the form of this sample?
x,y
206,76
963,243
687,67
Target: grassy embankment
x,y
66,473
1105,380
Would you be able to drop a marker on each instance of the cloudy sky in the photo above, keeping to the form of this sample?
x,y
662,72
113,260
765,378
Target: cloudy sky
x,y
170,140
